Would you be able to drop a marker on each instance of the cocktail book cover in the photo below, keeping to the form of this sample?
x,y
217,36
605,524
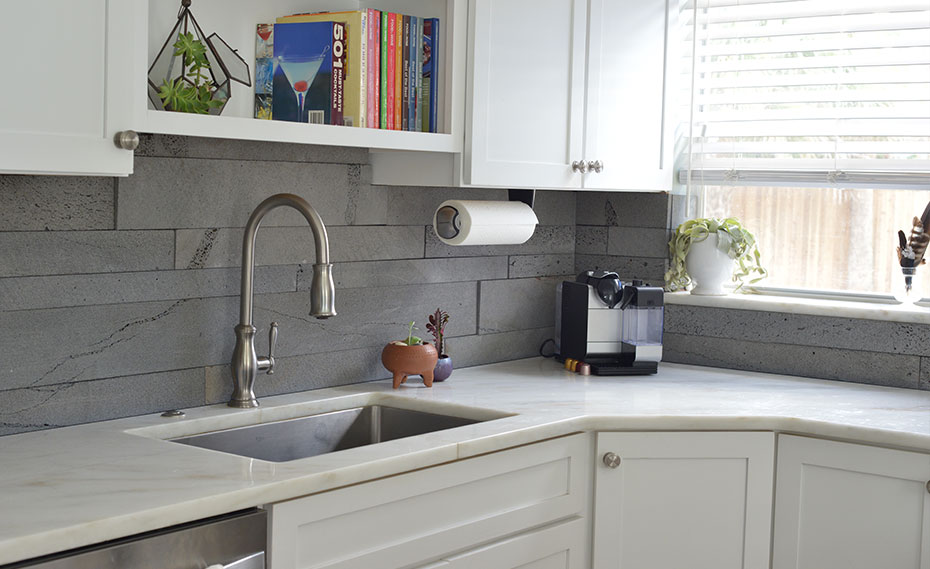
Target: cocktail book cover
x,y
309,74
355,90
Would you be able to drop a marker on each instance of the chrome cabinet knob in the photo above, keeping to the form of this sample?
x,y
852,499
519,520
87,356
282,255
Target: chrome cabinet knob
x,y
126,139
579,166
596,166
928,485
611,460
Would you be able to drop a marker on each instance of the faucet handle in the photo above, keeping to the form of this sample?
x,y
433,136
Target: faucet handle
x,y
272,340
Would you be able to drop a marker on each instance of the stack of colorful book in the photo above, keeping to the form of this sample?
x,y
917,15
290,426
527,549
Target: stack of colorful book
x,y
364,68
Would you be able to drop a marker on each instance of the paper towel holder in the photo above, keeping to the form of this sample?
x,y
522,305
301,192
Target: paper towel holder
x,y
445,222
526,196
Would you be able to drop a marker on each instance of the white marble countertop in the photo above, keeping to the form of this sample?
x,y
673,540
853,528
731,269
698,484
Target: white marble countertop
x,y
75,486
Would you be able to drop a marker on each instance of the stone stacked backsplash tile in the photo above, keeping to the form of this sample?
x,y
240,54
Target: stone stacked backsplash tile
x,y
624,232
863,351
118,296
629,232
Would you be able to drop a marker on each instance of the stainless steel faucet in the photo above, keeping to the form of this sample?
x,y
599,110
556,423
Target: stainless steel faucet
x,y
245,364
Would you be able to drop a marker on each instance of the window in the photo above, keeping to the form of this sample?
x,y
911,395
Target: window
x,y
810,122
824,239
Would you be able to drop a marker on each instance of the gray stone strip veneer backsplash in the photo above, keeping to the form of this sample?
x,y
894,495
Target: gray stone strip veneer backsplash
x,y
118,296
623,232
629,233
864,351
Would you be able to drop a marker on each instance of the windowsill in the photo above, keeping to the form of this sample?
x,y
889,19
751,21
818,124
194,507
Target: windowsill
x,y
915,314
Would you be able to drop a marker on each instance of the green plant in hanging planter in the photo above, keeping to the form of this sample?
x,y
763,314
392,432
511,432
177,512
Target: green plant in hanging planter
x,y
192,92
732,238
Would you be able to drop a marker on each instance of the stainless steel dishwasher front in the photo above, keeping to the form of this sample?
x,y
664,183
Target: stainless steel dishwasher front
x,y
233,541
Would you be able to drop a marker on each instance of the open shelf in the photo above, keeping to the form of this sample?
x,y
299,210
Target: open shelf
x,y
235,21
280,131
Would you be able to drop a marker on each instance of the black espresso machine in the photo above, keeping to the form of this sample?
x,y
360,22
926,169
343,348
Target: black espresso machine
x,y
614,327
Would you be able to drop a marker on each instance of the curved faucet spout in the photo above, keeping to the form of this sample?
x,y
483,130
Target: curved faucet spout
x,y
245,364
321,288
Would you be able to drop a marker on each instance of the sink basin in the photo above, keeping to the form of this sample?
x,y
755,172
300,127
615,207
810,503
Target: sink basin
x,y
314,435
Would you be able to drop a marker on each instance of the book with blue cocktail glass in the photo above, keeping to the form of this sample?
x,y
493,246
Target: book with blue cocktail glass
x,y
309,72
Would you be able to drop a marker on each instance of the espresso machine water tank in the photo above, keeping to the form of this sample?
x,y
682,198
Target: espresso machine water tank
x,y
643,317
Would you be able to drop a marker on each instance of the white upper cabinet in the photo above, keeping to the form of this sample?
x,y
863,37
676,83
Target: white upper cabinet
x,y
849,506
569,94
627,127
550,84
64,96
525,113
76,75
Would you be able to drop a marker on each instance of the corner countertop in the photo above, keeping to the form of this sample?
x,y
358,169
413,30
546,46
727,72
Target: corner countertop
x,y
70,487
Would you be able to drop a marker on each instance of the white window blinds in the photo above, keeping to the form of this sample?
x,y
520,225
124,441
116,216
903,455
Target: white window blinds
x,y
813,93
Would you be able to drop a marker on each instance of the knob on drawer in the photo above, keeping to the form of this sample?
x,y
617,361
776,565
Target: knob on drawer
x,y
611,460
928,485
579,166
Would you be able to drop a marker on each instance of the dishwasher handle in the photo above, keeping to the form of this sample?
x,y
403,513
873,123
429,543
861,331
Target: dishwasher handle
x,y
254,561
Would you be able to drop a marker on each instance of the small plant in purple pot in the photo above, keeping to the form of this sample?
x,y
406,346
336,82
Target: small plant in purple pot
x,y
437,327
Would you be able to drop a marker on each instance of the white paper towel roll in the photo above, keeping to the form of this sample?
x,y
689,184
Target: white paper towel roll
x,y
475,222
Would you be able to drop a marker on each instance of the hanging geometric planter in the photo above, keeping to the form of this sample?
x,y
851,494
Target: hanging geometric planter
x,y
192,71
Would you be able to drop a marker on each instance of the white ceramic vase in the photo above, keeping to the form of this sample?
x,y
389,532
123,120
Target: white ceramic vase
x,y
708,267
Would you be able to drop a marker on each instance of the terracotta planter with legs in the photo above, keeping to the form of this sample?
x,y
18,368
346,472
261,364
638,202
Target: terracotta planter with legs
x,y
403,360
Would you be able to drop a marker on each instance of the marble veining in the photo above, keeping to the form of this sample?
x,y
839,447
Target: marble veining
x,y
74,486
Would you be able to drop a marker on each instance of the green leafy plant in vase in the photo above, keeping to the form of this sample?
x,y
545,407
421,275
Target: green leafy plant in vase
x,y
411,356
437,326
706,252
192,92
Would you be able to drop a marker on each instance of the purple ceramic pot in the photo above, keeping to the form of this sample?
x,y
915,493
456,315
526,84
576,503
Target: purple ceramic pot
x,y
443,369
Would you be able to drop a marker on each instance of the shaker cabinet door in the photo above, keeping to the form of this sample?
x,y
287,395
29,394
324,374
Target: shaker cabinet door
x,y
525,93
628,127
66,79
696,500
849,506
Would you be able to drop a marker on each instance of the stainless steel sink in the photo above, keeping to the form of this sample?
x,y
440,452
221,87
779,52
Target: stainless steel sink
x,y
327,432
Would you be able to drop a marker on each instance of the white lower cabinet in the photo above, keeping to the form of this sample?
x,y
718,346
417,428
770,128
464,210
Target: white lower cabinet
x,y
661,500
428,518
850,506
695,500
560,546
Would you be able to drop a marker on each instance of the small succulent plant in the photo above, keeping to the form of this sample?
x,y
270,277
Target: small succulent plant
x,y
193,92
437,327
411,339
